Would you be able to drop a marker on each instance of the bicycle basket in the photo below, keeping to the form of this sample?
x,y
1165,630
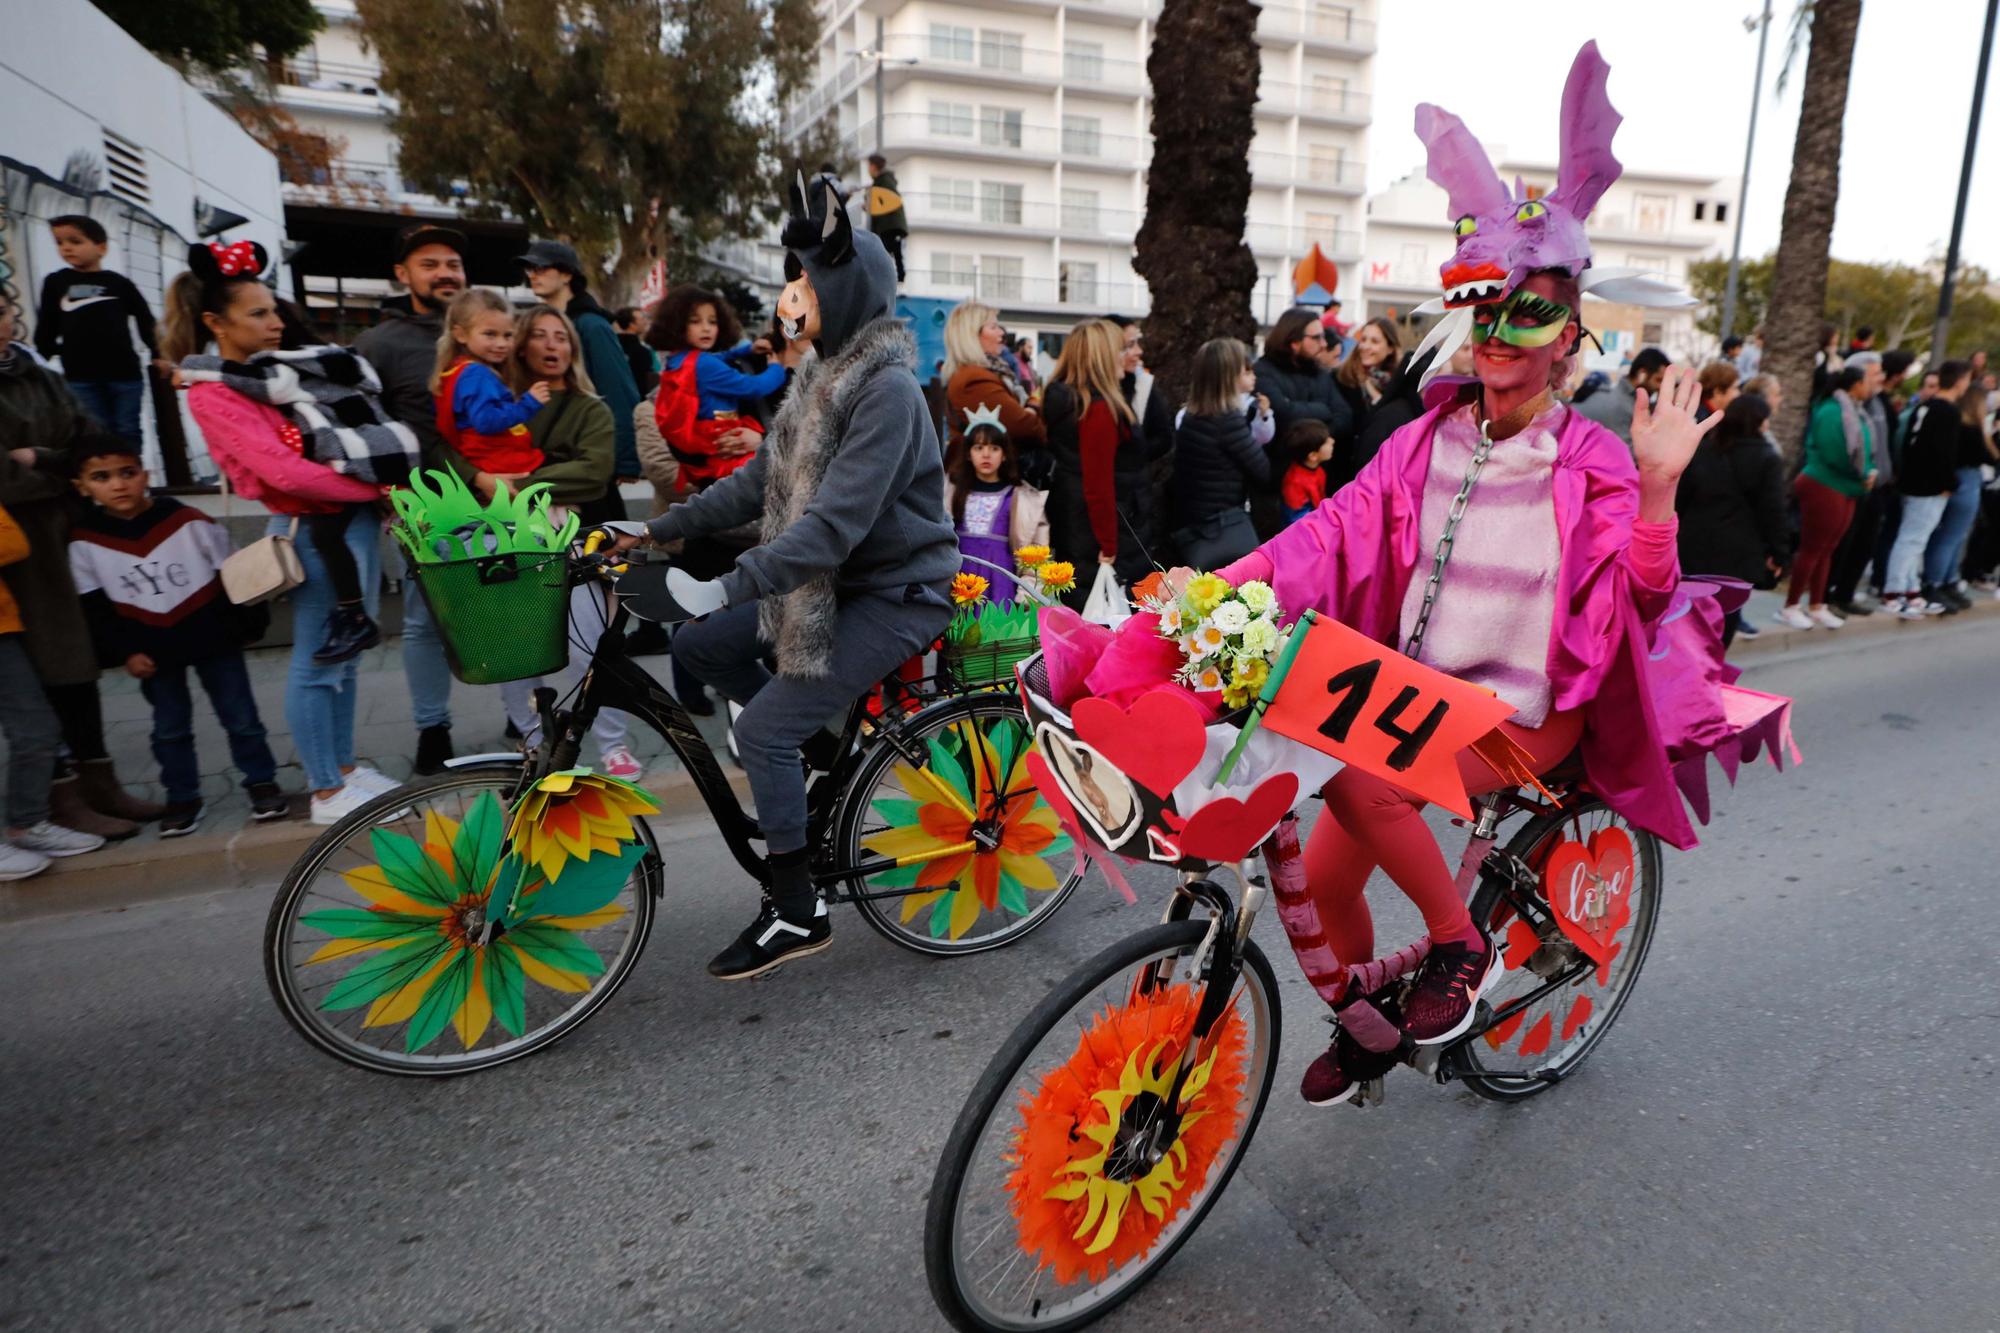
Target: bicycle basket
x,y
989,663
501,617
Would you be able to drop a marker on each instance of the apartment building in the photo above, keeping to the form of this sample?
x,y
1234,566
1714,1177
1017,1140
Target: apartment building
x,y
1019,132
1649,220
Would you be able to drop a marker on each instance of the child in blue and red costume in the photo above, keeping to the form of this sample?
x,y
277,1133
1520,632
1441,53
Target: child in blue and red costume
x,y
704,402
476,412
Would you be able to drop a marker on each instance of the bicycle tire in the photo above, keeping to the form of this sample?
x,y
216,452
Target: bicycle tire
x,y
303,1015
886,915
994,1095
1527,845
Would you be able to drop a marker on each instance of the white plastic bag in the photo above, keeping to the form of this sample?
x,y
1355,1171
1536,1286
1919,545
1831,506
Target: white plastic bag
x,y
1107,604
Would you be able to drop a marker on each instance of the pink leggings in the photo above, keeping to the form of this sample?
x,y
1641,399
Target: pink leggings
x,y
1371,822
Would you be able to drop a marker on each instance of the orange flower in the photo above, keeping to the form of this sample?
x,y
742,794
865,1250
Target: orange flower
x,y
1057,575
1030,556
967,589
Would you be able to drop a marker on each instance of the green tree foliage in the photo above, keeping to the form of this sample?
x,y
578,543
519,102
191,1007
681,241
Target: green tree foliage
x,y
630,128
1898,301
216,34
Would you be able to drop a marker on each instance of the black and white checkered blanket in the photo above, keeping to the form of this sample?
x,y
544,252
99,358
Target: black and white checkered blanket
x,y
333,396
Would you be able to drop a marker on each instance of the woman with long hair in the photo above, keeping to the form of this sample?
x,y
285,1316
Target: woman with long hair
x,y
979,372
223,300
1731,504
1098,493
1840,467
1366,377
1217,460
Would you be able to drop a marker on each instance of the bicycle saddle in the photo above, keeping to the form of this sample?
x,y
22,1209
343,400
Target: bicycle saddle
x,y
643,591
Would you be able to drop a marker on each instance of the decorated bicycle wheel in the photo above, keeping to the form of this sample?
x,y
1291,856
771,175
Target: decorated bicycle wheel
x,y
1076,1168
965,853
451,925
1571,967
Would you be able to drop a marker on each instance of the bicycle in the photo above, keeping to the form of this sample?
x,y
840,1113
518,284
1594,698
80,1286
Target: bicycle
x,y
927,823
1106,1127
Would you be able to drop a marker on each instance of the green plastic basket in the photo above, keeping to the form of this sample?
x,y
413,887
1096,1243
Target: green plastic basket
x,y
501,617
989,663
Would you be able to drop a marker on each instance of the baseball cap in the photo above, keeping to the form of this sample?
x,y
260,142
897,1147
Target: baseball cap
x,y
552,254
426,233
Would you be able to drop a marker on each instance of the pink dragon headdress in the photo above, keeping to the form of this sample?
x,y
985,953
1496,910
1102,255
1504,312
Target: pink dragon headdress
x,y
1504,236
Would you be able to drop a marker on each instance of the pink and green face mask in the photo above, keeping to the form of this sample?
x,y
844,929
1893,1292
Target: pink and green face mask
x,y
1522,320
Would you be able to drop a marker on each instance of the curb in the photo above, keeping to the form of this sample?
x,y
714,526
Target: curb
x,y
1867,631
145,870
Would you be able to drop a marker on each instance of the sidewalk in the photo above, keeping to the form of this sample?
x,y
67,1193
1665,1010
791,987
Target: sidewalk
x,y
228,851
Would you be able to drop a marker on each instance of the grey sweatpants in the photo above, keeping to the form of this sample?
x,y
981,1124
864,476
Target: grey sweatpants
x,y
875,634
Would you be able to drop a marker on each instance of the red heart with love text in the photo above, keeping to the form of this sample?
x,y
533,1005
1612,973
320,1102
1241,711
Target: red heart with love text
x,y
1228,830
1156,742
1589,888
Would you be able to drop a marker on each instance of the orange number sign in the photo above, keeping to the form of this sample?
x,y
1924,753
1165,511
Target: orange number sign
x,y
1368,705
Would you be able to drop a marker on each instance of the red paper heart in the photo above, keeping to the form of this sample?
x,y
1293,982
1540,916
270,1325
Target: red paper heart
x,y
1589,889
1156,742
1228,830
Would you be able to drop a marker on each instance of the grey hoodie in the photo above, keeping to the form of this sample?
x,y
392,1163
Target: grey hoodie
x,y
403,350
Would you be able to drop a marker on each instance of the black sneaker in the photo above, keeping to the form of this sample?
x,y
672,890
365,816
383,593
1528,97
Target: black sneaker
x,y
1851,610
267,802
433,750
1447,990
350,631
181,819
772,940
1338,1074
698,704
1949,594
1947,598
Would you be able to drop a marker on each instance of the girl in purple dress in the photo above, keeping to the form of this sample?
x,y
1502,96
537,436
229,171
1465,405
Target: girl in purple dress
x,y
995,512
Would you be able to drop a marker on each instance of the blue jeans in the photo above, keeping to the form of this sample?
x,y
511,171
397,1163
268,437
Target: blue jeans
x,y
424,665
1947,547
319,696
1920,519
33,738
226,680
115,403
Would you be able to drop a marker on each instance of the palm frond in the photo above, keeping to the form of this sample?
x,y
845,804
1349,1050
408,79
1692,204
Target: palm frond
x,y
1796,41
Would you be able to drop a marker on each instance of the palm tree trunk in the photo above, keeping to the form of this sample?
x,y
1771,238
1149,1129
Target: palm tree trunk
x,y
1798,284
1203,68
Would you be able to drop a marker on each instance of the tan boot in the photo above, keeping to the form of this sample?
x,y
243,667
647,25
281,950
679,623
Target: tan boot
x,y
68,808
107,796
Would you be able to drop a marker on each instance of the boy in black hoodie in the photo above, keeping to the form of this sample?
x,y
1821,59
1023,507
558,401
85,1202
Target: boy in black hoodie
x,y
87,318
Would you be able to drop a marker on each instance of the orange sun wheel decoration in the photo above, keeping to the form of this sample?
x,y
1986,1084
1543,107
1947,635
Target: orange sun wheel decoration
x,y
576,813
1076,1218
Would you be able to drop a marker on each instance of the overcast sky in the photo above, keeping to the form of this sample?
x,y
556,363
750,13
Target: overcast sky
x,y
1681,73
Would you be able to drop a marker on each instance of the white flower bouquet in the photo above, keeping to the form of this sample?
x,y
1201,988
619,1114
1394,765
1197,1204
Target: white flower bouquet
x,y
1230,637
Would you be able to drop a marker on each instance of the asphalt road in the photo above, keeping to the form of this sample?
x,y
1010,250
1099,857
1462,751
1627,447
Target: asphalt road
x,y
1793,1125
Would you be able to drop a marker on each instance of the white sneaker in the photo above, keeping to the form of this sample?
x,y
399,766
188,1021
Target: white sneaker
x,y
1794,616
1892,604
351,797
371,780
620,762
1825,618
55,840
19,862
1908,608
1933,608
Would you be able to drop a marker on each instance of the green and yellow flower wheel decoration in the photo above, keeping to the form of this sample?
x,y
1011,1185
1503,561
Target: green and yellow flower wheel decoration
x,y
1078,1209
974,774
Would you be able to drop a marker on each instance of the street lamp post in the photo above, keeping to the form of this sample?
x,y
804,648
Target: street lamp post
x,y
1743,187
877,54
1942,331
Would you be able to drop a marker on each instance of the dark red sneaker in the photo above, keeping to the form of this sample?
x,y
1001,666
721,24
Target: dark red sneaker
x,y
1447,990
1346,1064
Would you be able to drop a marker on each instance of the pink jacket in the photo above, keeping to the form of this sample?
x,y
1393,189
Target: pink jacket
x,y
1353,556
247,441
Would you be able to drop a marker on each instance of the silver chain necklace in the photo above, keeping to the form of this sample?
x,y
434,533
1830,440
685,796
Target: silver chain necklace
x,y
1438,561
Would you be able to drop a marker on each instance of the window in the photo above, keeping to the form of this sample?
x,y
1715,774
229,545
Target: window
x,y
1701,210
951,120
999,126
949,270
1652,333
1000,50
949,42
1083,62
1000,277
1321,227
1329,93
1082,136
1078,285
1651,211
999,202
1721,211
1326,163
1330,20
1079,210
952,195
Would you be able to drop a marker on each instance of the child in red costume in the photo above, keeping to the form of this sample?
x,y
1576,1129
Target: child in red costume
x,y
476,412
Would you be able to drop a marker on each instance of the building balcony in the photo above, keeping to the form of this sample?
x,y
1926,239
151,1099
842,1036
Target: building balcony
x,y
1278,241
326,86
1308,171
1073,296
995,215
1003,140
1336,31
1327,106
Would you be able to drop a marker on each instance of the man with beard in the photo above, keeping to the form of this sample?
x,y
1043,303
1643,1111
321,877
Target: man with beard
x,y
403,349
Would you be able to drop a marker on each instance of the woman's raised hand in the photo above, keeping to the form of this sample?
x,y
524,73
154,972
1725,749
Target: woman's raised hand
x,y
1664,431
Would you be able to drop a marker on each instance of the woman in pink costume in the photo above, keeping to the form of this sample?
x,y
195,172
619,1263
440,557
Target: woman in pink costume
x,y
1547,590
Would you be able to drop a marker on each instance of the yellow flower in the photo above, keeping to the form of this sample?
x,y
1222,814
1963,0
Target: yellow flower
x,y
1206,591
1251,672
967,589
1238,696
1028,557
1057,575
